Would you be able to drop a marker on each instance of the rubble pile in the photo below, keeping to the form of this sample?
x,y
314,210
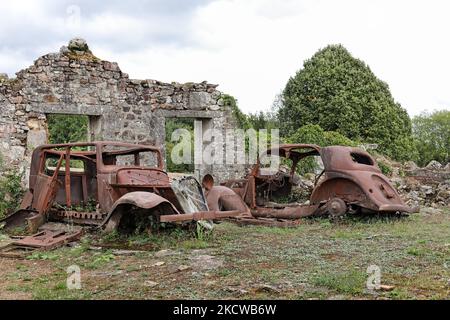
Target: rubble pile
x,y
419,187
428,186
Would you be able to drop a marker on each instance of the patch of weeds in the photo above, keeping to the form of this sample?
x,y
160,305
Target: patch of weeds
x,y
3,237
270,275
22,273
101,260
22,267
18,288
42,255
325,223
399,294
14,275
41,280
58,292
224,272
139,239
194,244
111,236
202,233
415,251
78,250
179,233
349,283
86,240
385,168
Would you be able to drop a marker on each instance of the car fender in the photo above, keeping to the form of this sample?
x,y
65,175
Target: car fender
x,y
363,190
222,198
140,199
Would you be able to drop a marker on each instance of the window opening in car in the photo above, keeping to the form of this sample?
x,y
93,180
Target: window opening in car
x,y
361,158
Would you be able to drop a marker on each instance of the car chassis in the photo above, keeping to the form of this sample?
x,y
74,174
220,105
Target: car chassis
x,y
349,182
110,185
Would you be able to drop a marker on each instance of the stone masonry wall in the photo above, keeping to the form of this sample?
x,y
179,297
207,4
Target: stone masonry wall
x,y
74,81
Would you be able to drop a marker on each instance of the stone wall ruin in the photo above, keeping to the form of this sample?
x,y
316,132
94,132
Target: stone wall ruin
x,y
75,82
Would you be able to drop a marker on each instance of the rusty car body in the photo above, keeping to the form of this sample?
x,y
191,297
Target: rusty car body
x,y
112,185
350,182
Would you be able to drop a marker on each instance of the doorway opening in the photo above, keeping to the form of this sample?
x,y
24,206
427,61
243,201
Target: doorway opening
x,y
179,145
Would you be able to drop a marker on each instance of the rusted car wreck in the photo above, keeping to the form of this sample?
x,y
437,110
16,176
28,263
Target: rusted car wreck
x,y
350,182
111,185
121,186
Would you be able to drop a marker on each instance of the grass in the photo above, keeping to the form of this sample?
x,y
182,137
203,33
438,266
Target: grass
x,y
352,282
316,260
415,251
100,260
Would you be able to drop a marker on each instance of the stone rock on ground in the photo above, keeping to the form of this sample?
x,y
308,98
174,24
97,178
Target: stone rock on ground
x,y
202,261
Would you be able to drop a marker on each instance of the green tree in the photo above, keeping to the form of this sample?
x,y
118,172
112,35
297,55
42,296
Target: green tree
x,y
263,120
173,124
432,136
67,128
314,134
340,93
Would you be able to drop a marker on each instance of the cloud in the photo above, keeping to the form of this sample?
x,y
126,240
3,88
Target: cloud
x,y
250,48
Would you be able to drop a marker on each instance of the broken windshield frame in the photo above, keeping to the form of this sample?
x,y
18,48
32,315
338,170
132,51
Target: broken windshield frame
x,y
108,158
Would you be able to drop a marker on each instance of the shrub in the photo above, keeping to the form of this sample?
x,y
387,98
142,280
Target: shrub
x,y
385,168
340,93
432,136
11,192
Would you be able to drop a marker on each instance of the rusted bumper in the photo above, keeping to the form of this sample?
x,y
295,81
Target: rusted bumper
x,y
201,215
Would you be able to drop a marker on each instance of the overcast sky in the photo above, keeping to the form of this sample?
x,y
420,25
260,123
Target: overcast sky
x,y
249,47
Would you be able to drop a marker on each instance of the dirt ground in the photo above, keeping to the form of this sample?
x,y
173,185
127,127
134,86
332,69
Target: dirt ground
x,y
316,260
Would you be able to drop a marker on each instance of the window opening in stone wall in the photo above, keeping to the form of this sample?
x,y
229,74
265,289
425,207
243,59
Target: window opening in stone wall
x,y
67,128
64,128
173,124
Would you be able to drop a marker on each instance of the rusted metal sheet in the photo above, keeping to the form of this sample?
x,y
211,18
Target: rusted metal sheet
x,y
196,216
286,212
266,222
44,240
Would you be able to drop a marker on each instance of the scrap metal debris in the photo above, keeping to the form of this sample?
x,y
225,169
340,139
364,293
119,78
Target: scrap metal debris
x,y
43,240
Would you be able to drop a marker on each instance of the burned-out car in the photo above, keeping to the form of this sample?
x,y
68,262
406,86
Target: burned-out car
x,y
349,182
112,185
